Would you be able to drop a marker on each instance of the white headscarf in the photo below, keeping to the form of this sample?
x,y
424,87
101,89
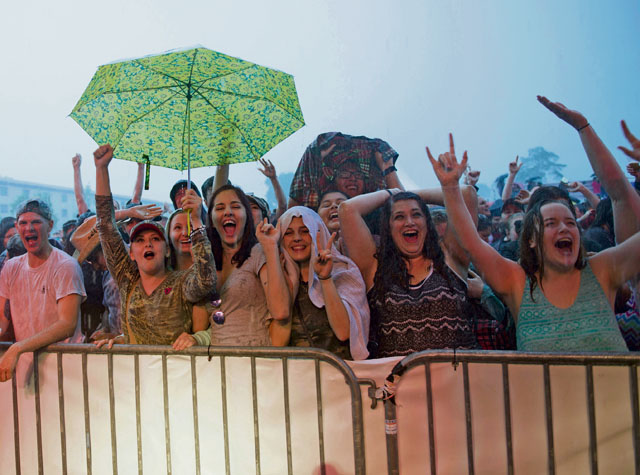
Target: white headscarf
x,y
346,277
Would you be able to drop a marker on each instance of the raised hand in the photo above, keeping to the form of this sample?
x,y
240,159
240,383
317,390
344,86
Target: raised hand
x,y
447,168
103,156
574,118
514,168
327,151
145,211
634,170
322,262
635,143
76,161
267,234
523,196
472,177
269,170
575,187
191,201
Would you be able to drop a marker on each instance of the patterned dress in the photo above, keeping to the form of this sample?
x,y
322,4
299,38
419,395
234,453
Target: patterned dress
x,y
431,315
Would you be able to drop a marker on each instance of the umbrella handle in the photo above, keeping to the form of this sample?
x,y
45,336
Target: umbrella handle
x,y
189,222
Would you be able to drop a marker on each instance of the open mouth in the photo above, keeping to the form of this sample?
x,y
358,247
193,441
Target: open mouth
x,y
333,216
229,228
564,244
410,236
149,255
31,238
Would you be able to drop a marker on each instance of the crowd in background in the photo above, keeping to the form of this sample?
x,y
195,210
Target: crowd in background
x,y
351,262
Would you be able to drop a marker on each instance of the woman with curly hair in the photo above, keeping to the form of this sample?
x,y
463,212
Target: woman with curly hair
x,y
417,301
562,301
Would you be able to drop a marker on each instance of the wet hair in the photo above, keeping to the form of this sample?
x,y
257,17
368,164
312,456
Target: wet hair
x,y
248,235
392,268
550,193
531,259
604,215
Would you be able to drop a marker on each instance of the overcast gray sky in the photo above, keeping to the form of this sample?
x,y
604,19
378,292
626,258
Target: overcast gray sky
x,y
404,71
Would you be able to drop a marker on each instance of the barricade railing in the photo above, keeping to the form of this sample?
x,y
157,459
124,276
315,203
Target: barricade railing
x,y
499,412
149,409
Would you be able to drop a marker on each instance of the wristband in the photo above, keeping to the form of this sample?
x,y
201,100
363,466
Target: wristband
x,y
583,127
388,191
392,168
325,278
200,229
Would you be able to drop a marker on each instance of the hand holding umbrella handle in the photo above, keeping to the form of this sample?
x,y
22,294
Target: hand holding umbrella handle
x,y
192,203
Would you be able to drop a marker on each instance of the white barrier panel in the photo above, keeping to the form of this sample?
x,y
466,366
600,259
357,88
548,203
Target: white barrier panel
x,y
298,423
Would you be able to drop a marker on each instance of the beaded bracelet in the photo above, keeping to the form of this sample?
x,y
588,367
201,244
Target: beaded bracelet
x,y
200,229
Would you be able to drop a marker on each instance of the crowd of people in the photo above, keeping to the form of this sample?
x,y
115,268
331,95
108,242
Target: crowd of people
x,y
356,265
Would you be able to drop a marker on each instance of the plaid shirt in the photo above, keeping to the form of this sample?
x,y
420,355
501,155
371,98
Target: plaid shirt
x,y
315,174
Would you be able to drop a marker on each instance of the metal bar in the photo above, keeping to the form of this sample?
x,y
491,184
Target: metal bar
x,y
87,414
112,416
593,438
36,377
194,402
467,413
167,429
432,442
391,436
635,412
63,431
225,421
256,427
16,423
506,396
136,367
549,415
323,469
287,417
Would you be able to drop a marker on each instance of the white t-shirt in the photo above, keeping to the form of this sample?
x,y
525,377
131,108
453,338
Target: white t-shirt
x,y
33,292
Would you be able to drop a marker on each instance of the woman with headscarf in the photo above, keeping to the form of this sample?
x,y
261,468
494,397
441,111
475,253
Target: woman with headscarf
x,y
330,309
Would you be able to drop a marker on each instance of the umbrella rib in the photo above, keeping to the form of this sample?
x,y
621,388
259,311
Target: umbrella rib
x,y
140,90
252,149
250,97
187,126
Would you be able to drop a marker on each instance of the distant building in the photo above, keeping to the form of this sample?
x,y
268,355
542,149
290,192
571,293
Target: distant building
x,y
61,199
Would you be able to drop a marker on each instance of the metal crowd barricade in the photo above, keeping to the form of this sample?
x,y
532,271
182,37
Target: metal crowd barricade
x,y
586,419
260,434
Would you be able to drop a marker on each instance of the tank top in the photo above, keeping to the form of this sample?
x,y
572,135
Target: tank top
x,y
588,325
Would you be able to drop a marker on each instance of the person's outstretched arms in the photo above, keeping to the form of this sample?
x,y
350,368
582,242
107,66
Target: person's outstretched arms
x,y
505,277
625,201
578,187
514,168
76,161
270,172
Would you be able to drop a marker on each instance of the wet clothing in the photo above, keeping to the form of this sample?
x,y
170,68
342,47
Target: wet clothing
x,y
159,318
588,325
310,326
34,292
434,314
315,175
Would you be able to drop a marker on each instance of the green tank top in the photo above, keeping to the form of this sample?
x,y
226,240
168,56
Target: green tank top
x,y
588,325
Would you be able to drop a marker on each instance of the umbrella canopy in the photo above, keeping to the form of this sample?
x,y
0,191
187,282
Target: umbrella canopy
x,y
189,108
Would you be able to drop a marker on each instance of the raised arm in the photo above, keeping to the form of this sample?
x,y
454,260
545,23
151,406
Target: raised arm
x,y
270,172
505,277
389,172
578,187
68,309
221,178
355,233
625,201
76,161
272,276
514,168
137,188
201,277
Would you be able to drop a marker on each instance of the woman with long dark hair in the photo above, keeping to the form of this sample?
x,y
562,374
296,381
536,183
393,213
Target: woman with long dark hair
x,y
251,285
417,302
561,300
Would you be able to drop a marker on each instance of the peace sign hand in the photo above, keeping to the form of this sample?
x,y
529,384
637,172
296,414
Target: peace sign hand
x,y
514,168
323,261
447,168
635,143
267,234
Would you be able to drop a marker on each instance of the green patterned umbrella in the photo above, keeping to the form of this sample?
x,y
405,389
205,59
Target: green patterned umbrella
x,y
189,108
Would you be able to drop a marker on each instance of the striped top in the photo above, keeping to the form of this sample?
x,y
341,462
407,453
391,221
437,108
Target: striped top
x,y
588,325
